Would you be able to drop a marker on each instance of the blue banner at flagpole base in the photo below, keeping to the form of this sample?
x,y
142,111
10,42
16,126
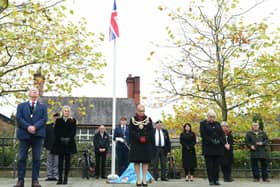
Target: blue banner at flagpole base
x,y
129,176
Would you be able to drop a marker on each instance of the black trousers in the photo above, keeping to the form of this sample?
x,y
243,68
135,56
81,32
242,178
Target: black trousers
x,y
226,169
64,160
160,156
100,157
255,168
212,166
123,160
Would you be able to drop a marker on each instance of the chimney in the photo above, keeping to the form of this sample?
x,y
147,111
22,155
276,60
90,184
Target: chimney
x,y
39,81
133,88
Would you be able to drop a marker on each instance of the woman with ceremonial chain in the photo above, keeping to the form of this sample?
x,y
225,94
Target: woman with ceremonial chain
x,y
141,136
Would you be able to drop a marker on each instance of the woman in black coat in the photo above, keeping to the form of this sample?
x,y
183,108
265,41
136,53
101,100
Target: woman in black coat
x,y
65,145
227,159
188,141
213,141
141,138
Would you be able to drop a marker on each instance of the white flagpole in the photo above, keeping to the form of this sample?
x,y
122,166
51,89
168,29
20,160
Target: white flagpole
x,y
113,158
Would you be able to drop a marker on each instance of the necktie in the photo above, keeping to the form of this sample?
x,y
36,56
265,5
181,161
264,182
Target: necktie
x,y
32,106
123,129
159,138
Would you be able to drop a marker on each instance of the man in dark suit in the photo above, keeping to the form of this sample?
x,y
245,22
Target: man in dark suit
x,y
213,141
31,119
162,147
121,136
101,146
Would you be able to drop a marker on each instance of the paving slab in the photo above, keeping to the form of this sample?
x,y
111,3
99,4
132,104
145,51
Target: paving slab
x,y
199,182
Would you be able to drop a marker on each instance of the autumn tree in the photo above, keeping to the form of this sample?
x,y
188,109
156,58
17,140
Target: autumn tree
x,y
40,36
220,59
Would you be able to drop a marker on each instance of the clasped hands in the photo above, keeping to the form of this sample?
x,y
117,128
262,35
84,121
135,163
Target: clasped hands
x,y
227,146
31,129
258,144
215,141
102,150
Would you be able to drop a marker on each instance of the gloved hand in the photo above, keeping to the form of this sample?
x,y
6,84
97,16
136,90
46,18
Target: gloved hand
x,y
119,139
216,141
64,140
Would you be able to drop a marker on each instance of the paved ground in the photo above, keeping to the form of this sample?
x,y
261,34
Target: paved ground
x,y
78,182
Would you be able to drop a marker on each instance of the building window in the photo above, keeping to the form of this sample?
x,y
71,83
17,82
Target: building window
x,y
85,135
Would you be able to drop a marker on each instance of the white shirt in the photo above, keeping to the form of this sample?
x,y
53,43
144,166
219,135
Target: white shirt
x,y
35,102
159,131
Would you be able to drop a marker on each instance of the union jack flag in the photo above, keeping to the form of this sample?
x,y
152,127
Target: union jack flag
x,y
114,29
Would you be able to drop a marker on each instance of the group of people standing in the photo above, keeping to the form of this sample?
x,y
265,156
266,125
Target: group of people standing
x,y
138,141
217,148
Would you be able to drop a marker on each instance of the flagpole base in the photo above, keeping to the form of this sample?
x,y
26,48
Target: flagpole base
x,y
112,176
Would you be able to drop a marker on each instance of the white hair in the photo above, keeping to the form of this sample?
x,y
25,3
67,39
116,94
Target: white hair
x,y
211,113
66,107
224,123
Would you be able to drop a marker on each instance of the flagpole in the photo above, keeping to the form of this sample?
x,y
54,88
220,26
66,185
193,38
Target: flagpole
x,y
113,158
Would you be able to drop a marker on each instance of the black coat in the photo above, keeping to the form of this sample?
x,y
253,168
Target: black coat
x,y
100,142
65,130
167,144
50,136
141,151
252,138
213,138
188,141
227,159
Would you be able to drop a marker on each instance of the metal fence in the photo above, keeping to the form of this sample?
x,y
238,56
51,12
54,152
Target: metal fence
x,y
9,148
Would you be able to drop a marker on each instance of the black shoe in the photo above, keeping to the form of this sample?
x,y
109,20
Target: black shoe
x,y
97,177
266,180
19,183
138,184
35,184
59,182
217,183
144,184
228,180
103,177
51,179
256,180
156,179
211,183
164,179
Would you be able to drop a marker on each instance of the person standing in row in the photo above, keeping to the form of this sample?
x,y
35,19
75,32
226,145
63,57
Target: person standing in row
x,y
121,135
227,159
213,141
52,159
141,139
257,141
101,146
162,147
31,120
65,144
188,141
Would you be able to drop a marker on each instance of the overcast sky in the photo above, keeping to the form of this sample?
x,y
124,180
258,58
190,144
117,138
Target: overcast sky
x,y
140,23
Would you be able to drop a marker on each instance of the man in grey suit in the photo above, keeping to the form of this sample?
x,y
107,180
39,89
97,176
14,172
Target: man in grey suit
x,y
31,119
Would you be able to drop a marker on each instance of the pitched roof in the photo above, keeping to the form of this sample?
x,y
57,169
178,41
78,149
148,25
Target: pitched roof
x,y
91,110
